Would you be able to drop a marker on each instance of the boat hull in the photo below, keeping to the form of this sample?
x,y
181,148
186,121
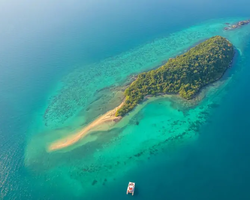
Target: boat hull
x,y
131,188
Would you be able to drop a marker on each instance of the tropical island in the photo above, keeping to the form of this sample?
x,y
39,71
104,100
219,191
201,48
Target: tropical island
x,y
185,75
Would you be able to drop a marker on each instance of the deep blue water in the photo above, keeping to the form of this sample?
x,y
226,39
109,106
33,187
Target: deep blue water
x,y
41,42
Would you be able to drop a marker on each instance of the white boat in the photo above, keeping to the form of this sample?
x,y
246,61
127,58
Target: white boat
x,y
131,188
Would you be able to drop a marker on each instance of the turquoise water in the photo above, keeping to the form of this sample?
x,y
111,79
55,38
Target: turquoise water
x,y
67,70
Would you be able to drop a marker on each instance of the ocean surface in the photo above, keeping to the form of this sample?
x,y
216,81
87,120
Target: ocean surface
x,y
64,63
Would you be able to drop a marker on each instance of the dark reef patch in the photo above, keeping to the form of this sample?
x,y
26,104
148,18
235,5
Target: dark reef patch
x,y
94,182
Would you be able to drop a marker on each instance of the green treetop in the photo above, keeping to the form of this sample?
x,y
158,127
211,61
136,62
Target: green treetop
x,y
185,74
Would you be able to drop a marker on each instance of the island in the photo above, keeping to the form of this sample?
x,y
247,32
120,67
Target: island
x,y
184,75
236,25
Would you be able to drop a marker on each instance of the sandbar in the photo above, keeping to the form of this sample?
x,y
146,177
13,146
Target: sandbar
x,y
72,139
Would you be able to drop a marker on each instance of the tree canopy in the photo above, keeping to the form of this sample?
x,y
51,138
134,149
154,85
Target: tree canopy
x,y
185,74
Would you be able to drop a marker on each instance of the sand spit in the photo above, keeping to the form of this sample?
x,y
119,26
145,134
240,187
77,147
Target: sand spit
x,y
65,142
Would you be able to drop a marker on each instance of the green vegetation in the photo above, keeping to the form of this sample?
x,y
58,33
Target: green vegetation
x,y
185,75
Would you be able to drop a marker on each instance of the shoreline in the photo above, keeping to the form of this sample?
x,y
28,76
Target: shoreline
x,y
72,139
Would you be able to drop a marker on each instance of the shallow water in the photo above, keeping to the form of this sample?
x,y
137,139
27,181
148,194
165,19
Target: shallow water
x,y
60,84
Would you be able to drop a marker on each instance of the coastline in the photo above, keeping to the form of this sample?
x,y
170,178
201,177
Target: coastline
x,y
72,139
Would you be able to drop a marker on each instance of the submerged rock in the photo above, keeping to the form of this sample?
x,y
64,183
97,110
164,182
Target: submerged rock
x,y
94,182
237,25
